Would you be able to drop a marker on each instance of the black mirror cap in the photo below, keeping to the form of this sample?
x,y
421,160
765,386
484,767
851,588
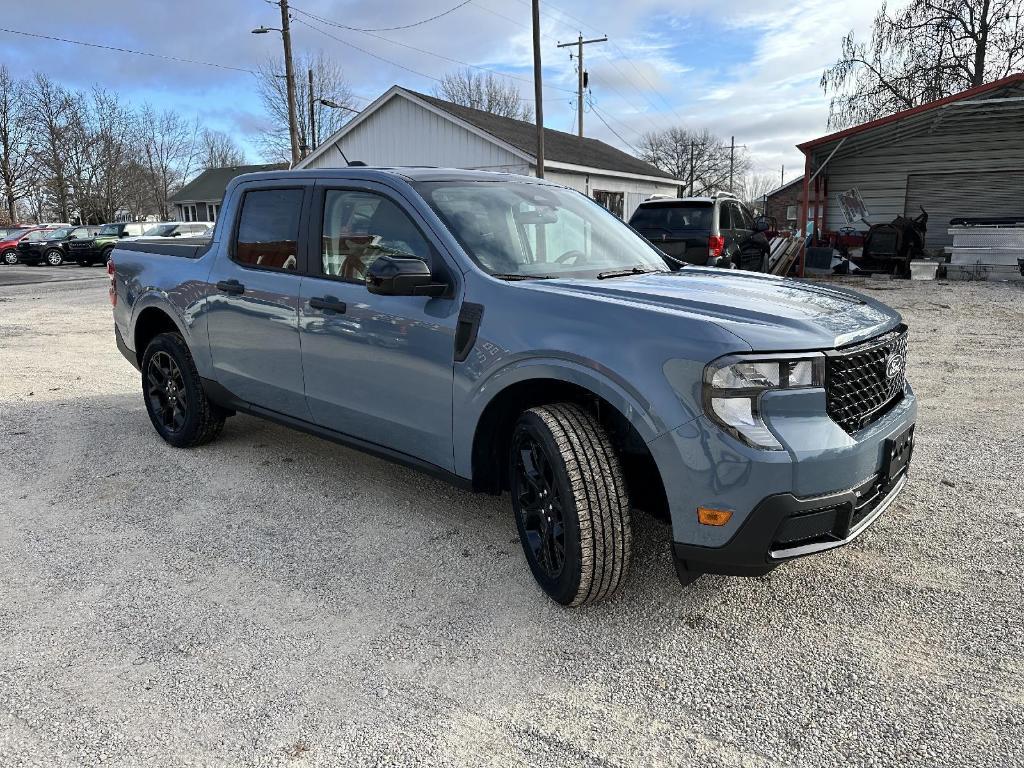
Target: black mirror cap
x,y
402,276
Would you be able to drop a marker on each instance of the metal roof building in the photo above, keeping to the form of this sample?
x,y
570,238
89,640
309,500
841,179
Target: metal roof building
x,y
405,128
199,200
961,156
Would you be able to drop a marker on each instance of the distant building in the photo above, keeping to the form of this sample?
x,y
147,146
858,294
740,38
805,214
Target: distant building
x,y
958,157
783,203
402,127
200,199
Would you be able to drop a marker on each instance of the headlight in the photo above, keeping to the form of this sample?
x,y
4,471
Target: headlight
x,y
733,387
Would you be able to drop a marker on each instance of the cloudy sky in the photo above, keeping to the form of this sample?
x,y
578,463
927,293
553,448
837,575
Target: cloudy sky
x,y
748,68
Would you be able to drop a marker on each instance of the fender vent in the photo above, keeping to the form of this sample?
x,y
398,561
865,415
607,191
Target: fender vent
x,y
466,329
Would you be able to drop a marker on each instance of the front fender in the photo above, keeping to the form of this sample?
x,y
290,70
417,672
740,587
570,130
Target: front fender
x,y
619,393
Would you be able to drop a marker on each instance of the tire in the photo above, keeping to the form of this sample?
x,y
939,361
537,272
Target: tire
x,y
578,549
53,257
9,257
173,392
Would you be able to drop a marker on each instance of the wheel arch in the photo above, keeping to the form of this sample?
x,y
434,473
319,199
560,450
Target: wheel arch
x,y
151,321
628,424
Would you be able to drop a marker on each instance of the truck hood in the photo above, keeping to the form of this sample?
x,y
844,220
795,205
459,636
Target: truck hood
x,y
768,313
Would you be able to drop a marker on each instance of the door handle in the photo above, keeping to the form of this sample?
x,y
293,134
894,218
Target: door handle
x,y
232,287
328,303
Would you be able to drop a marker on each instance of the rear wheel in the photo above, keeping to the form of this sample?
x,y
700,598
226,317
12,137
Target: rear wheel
x,y
10,257
177,405
54,257
570,502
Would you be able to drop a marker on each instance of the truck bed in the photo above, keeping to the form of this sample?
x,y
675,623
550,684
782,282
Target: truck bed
x,y
184,247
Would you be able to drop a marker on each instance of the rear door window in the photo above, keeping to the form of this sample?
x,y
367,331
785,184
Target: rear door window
x,y
268,229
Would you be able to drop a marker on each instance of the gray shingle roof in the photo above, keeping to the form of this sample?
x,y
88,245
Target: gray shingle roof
x,y
558,146
209,185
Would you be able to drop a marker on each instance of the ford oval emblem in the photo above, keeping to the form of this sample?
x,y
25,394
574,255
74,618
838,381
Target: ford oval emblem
x,y
893,366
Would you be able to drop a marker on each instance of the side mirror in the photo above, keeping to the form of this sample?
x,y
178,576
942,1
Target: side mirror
x,y
123,234
402,276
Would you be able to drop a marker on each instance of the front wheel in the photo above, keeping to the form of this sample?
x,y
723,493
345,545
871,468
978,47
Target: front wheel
x,y
177,405
571,505
10,257
54,257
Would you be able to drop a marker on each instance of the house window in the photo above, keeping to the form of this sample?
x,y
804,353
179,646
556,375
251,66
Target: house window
x,y
613,201
184,213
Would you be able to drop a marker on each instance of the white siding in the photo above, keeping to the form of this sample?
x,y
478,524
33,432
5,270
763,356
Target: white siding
x,y
403,133
635,190
880,172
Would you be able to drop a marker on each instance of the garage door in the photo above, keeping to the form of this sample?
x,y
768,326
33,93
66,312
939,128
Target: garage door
x,y
958,195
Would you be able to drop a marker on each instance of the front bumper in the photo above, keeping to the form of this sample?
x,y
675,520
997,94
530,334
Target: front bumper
x,y
771,494
783,527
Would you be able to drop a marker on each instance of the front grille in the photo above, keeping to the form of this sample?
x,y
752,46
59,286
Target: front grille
x,y
858,383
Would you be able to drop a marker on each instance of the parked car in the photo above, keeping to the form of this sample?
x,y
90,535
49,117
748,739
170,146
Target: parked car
x,y
506,333
96,249
717,231
50,246
169,229
9,253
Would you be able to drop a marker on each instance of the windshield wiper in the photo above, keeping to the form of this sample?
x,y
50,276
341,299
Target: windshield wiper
x,y
635,270
518,276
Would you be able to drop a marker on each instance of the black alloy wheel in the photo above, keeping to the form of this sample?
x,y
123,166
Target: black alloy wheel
x,y
173,392
570,502
166,391
540,504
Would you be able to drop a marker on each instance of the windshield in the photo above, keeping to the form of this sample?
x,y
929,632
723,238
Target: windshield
x,y
535,230
673,217
110,229
161,230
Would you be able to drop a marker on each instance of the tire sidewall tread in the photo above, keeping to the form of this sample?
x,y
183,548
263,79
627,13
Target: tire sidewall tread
x,y
205,420
596,508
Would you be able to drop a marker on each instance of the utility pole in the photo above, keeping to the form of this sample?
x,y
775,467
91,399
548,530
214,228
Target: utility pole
x,y
289,73
691,169
538,90
782,179
732,160
582,73
312,113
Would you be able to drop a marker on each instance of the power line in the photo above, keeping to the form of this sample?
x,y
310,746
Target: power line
x,y
418,50
596,111
128,50
393,29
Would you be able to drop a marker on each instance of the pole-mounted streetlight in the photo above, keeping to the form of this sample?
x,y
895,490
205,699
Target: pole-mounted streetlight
x,y
286,37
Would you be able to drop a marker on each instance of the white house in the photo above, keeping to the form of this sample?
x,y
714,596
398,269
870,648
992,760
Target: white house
x,y
403,127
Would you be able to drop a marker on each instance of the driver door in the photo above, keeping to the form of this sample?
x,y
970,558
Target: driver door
x,y
377,368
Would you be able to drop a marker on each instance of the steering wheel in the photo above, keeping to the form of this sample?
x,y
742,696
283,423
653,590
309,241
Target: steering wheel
x,y
577,257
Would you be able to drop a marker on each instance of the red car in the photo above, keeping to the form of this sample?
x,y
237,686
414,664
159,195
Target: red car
x,y
9,239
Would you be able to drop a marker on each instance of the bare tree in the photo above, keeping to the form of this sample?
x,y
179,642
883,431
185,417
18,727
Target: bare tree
x,y
51,109
927,50
754,186
168,148
219,150
484,91
329,84
673,149
17,143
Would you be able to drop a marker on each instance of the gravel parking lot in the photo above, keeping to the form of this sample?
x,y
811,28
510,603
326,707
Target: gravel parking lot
x,y
274,599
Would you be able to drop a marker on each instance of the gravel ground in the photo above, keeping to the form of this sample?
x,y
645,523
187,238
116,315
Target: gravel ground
x,y
273,599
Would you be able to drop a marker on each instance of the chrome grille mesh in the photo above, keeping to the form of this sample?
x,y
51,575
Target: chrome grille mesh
x,y
858,383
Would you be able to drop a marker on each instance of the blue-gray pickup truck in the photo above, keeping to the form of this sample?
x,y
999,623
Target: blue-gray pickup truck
x,y
509,334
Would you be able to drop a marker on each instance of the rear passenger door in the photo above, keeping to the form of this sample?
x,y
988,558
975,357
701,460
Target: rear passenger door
x,y
377,368
253,309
